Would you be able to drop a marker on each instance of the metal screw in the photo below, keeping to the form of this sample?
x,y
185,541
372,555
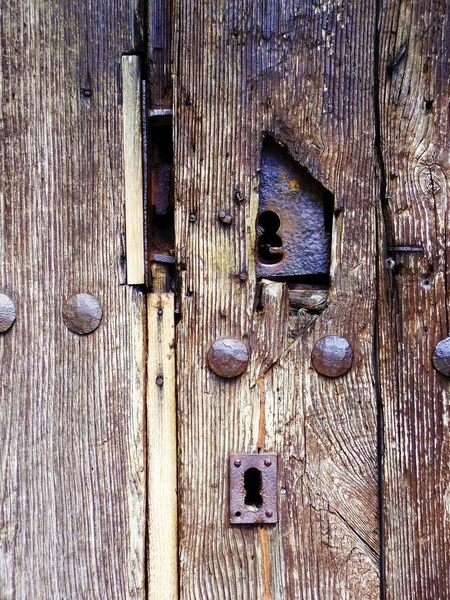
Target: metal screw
x,y
192,217
441,357
160,311
228,357
87,93
82,313
332,356
243,276
225,218
237,463
159,380
7,313
269,513
267,462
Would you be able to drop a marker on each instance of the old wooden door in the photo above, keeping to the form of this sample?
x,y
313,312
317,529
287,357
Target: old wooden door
x,y
116,440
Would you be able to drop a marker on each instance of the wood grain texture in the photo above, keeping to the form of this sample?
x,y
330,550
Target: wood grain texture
x,y
159,52
414,312
299,72
72,490
132,159
162,556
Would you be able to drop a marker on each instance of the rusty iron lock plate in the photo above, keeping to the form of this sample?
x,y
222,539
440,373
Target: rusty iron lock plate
x,y
294,217
253,488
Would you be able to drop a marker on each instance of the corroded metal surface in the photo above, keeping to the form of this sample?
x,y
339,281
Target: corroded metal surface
x,y
225,218
297,243
441,357
7,313
332,356
243,508
82,313
228,357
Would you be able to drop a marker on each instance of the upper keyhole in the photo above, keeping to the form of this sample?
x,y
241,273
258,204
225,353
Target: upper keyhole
x,y
270,245
253,486
269,221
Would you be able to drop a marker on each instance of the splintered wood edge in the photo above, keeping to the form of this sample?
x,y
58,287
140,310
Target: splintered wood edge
x,y
162,561
133,170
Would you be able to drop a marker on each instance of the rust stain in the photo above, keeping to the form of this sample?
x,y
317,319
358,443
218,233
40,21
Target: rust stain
x,y
260,382
266,562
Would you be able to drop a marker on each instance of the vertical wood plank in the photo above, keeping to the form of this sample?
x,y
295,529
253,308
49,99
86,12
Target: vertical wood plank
x,y
414,303
302,72
162,450
132,157
72,489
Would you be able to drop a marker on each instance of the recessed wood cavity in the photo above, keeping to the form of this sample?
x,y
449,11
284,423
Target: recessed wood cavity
x,y
294,220
161,222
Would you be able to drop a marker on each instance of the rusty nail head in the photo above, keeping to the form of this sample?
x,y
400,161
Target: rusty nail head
x,y
192,217
243,276
237,463
225,218
332,356
267,462
228,357
269,513
238,196
7,313
441,357
82,313
159,380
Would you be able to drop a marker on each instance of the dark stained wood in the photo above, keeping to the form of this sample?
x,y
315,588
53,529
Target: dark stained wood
x,y
414,91
159,52
72,491
303,73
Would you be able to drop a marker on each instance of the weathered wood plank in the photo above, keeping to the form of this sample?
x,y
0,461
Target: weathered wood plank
x,y
162,560
72,501
132,158
414,130
159,52
302,73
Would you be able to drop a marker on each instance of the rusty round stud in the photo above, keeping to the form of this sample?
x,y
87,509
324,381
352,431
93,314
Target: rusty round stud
x,y
237,463
160,381
228,357
192,217
7,313
225,218
267,462
441,357
82,313
243,276
332,356
269,513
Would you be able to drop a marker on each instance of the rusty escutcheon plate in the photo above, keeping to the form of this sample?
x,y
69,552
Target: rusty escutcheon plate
x,y
253,488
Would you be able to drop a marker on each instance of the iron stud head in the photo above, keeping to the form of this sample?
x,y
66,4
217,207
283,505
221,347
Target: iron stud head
x,y
332,356
228,357
82,313
441,357
7,313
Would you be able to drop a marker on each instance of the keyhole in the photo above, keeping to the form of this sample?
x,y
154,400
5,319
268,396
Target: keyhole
x,y
269,243
253,486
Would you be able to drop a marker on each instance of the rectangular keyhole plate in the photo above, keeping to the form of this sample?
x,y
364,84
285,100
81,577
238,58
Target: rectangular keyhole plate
x,y
253,488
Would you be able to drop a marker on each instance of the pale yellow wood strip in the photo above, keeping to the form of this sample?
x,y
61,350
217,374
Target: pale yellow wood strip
x,y
162,450
132,155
